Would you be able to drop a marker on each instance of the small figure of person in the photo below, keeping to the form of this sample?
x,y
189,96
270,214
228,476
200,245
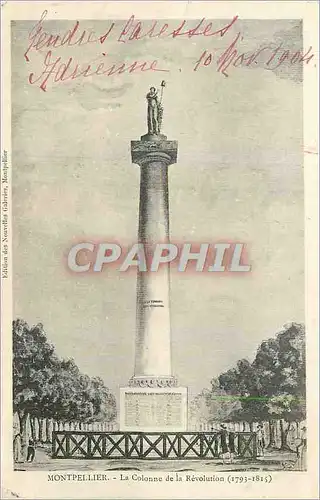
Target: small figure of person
x,y
224,443
261,443
302,450
31,451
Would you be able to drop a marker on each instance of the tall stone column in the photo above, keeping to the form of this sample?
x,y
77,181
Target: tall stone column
x,y
153,335
153,401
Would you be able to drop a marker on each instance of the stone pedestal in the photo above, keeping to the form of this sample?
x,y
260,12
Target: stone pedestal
x,y
152,401
153,410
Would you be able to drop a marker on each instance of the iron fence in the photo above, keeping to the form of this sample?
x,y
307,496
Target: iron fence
x,y
148,445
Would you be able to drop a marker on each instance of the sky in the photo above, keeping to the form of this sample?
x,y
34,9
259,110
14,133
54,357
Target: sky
x,y
239,177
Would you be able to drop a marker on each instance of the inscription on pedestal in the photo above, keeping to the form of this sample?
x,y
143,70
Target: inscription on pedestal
x,y
153,409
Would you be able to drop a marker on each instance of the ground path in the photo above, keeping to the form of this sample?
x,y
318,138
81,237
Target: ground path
x,y
272,461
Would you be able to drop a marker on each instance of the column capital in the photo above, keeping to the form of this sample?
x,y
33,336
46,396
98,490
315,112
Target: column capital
x,y
144,152
153,381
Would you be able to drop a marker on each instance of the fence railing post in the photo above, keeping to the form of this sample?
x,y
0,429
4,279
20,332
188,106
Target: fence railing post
x,y
201,445
53,444
254,444
89,443
67,445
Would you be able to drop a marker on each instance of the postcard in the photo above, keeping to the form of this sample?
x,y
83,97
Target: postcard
x,y
159,255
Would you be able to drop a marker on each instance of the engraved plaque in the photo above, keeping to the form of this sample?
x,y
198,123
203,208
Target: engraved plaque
x,y
146,409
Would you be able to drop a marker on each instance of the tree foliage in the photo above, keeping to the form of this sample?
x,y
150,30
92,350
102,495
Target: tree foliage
x,y
45,386
271,387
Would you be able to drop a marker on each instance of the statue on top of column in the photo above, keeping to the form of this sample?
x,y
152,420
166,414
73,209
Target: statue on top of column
x,y
155,110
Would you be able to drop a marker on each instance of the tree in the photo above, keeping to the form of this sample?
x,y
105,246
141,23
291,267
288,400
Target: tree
x,y
267,366
213,405
45,386
32,361
288,402
103,401
75,397
243,382
199,412
273,385
221,404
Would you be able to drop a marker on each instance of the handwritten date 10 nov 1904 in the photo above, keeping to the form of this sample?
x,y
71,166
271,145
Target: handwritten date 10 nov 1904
x,y
56,69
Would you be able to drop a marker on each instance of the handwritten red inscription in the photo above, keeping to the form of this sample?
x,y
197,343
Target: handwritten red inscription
x,y
75,37
273,57
56,69
133,30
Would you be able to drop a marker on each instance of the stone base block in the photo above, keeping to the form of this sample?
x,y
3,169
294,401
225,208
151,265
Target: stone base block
x,y
154,410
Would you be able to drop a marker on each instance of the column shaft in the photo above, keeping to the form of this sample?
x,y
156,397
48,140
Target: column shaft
x,y
153,343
